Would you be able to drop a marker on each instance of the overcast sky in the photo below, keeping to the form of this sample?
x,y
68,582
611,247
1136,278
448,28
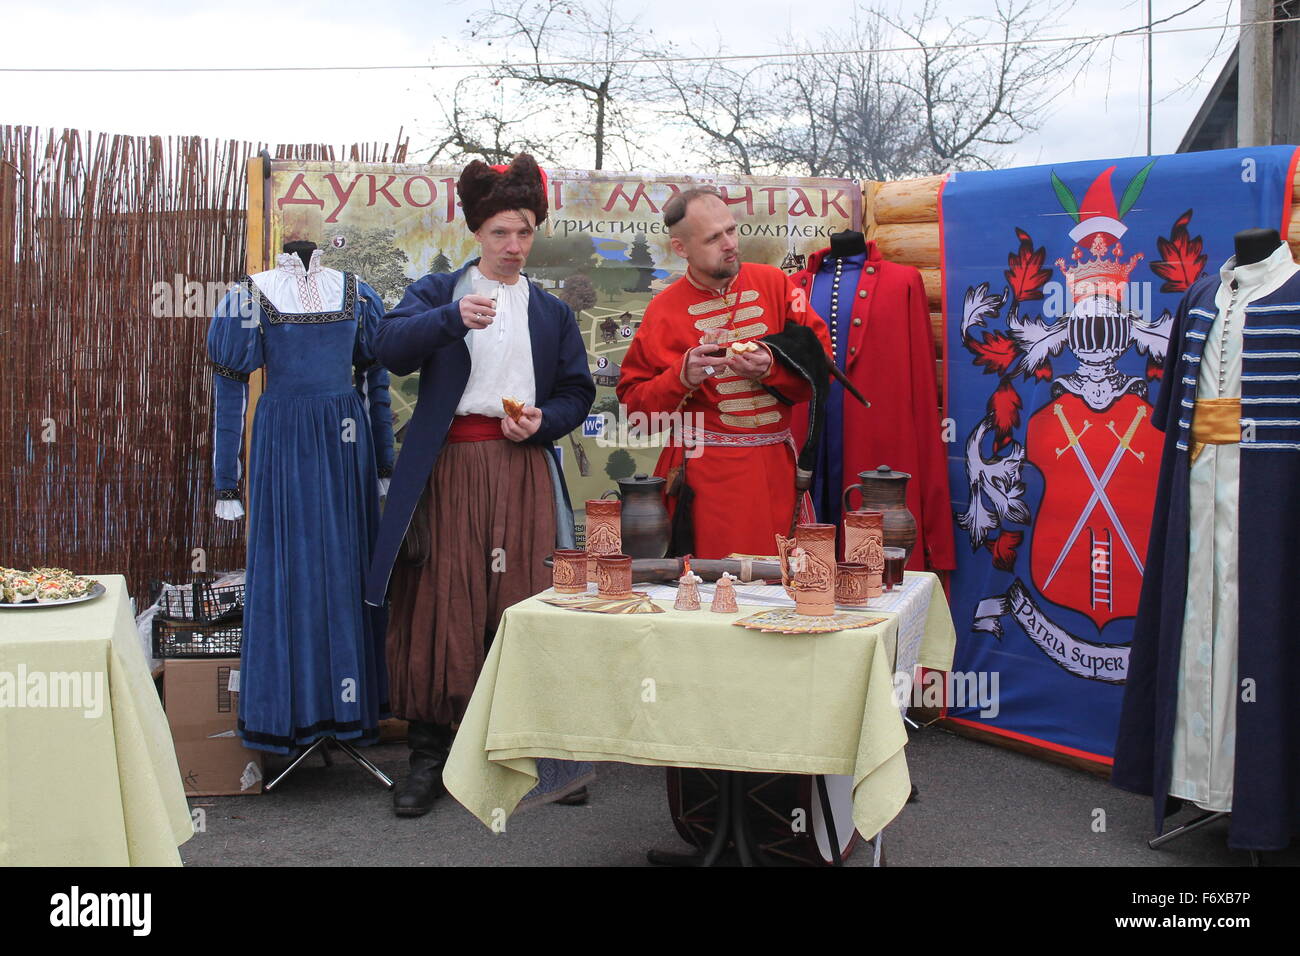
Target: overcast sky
x,y
1101,115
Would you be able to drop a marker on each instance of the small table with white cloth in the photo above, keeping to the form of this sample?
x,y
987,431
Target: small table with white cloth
x,y
690,689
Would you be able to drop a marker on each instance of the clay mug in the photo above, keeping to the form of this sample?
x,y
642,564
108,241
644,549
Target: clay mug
x,y
569,571
613,575
851,584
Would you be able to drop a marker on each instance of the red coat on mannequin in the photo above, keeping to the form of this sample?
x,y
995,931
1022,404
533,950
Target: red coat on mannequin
x,y
890,359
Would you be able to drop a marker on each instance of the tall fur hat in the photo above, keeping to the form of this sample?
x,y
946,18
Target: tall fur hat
x,y
487,190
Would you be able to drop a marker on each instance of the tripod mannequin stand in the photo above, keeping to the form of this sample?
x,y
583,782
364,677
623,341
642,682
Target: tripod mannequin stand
x,y
322,746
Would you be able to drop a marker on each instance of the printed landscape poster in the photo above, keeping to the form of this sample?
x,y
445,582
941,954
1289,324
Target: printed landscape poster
x,y
1060,284
603,249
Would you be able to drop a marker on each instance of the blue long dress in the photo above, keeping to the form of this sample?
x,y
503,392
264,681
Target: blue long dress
x,y
313,656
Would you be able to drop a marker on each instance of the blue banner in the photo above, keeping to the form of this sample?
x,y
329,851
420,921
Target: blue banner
x,y
1060,284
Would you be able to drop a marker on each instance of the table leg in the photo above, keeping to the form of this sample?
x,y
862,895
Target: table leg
x,y
722,831
828,818
750,853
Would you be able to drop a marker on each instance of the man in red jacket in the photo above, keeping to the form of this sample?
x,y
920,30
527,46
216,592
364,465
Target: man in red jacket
x,y
743,476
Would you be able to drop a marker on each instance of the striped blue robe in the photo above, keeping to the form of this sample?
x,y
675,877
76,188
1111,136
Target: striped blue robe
x,y
1266,773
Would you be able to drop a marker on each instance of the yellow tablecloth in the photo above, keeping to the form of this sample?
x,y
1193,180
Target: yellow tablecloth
x,y
95,783
687,689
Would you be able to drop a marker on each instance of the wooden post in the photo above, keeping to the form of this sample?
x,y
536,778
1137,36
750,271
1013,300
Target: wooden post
x,y
255,258
1255,75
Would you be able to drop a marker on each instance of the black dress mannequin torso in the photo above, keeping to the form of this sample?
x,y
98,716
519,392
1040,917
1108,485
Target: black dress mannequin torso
x,y
848,243
304,248
1254,245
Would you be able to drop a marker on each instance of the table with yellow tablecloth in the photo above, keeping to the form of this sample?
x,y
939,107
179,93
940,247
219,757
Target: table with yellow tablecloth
x,y
88,774
689,689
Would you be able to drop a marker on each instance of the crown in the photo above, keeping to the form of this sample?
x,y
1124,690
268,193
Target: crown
x,y
1103,274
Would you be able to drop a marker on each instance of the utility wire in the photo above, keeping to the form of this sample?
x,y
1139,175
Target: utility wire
x,y
1138,33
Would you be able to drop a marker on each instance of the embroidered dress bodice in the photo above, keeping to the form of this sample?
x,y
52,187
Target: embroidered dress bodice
x,y
294,289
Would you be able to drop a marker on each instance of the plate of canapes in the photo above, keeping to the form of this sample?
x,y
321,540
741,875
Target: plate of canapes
x,y
45,587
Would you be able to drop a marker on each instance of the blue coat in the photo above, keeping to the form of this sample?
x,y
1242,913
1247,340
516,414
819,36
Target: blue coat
x,y
425,333
1266,774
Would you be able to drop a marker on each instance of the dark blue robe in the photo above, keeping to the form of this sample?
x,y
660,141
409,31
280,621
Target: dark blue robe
x,y
828,476
1266,773
425,333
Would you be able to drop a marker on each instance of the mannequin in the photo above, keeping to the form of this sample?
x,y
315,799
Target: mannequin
x,y
312,651
848,243
879,319
1255,245
1206,715
302,248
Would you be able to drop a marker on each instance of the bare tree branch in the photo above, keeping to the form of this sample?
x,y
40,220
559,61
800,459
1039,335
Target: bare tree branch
x,y
717,109
969,89
589,96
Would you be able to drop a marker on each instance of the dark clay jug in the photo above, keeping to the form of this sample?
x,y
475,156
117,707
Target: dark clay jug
x,y
885,490
645,519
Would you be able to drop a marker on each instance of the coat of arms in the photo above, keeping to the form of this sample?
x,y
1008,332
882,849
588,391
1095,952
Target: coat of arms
x,y
1082,331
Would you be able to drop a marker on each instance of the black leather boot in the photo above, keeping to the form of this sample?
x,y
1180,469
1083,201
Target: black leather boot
x,y
423,784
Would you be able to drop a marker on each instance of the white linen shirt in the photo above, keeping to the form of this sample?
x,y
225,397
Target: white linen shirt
x,y
501,356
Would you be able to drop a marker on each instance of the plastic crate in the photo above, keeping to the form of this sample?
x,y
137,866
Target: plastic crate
x,y
217,639
201,602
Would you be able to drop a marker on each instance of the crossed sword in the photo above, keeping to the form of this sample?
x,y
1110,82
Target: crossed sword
x,y
1098,486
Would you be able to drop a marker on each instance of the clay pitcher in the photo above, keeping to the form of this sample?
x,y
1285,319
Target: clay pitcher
x,y
885,490
808,568
644,518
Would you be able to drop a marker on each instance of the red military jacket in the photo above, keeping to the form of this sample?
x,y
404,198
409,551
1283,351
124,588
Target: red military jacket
x,y
891,359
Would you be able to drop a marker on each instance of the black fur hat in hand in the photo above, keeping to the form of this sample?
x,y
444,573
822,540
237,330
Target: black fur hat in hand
x,y
487,190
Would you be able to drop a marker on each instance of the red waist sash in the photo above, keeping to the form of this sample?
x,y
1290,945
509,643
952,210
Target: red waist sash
x,y
475,428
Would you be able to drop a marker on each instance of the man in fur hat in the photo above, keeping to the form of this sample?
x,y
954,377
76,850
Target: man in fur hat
x,y
477,498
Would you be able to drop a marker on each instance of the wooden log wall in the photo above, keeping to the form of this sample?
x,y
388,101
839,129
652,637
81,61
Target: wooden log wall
x,y
903,220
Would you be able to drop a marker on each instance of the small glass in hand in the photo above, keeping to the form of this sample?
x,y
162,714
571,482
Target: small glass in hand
x,y
491,289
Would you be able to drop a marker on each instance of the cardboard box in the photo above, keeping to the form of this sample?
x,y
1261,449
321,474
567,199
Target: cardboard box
x,y
201,699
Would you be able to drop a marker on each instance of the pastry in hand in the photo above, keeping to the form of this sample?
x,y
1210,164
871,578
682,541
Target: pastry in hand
x,y
739,348
514,408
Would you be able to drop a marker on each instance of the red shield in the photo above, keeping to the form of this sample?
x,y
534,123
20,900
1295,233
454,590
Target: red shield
x,y
1084,556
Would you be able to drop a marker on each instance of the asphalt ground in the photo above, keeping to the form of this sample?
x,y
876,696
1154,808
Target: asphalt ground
x,y
978,805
